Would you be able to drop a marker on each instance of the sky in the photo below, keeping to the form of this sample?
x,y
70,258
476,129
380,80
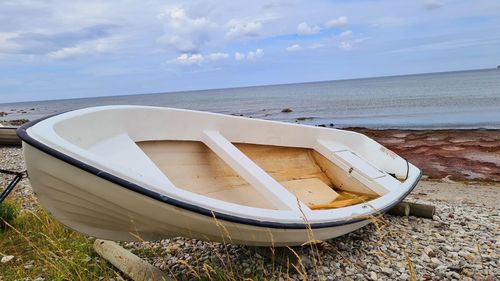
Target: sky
x,y
58,49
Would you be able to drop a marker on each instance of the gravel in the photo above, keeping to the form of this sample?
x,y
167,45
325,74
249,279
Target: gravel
x,y
11,158
461,243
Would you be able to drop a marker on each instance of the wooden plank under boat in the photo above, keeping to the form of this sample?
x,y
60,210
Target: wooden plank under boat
x,y
8,136
147,173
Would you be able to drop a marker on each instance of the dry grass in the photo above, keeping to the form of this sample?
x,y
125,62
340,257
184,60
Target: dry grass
x,y
273,265
44,248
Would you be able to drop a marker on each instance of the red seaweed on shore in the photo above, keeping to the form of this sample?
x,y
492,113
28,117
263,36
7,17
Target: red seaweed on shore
x,y
462,155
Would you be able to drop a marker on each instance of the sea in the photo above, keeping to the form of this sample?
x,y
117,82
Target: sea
x,y
447,100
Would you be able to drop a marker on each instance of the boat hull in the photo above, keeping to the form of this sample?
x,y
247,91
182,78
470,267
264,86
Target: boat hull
x,y
101,208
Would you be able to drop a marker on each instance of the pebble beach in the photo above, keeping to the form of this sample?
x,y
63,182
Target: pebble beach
x,y
461,242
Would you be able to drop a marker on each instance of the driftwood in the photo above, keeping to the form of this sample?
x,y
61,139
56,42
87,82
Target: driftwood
x,y
8,136
401,209
422,210
128,263
413,209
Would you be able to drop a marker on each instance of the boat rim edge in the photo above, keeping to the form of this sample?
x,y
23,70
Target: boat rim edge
x,y
22,133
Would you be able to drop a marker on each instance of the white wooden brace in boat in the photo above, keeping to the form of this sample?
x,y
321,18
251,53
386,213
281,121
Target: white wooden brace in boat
x,y
247,169
356,166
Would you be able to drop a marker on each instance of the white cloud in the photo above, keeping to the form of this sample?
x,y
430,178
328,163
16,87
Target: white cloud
x,y
345,45
239,56
346,34
294,48
192,59
252,55
304,29
348,45
217,56
186,59
239,28
338,22
184,33
259,53
433,4
91,48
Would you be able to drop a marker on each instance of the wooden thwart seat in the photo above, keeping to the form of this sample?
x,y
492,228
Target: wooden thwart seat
x,y
311,191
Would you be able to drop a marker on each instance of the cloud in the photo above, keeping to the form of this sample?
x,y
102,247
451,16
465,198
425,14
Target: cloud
x,y
45,43
259,53
252,55
338,22
184,33
186,59
239,56
345,45
433,4
239,28
192,59
81,50
294,48
304,29
346,34
217,56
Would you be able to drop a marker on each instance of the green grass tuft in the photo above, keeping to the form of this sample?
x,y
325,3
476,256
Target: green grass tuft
x,y
42,247
8,214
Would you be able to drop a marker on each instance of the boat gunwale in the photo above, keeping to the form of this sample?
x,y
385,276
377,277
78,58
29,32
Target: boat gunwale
x,y
23,134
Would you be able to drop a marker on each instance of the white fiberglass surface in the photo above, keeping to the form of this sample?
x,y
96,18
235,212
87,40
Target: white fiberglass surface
x,y
105,137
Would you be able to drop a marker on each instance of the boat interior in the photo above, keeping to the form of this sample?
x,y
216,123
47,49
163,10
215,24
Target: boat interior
x,y
312,178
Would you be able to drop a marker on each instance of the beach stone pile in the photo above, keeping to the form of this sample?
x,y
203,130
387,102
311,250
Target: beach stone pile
x,y
461,243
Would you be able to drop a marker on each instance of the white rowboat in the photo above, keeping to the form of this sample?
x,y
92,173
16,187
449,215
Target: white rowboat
x,y
147,173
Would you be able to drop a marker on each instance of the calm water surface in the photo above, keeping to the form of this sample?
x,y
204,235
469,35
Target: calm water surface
x,y
465,99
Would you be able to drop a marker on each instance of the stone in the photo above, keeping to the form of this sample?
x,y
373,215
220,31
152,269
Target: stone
x,y
441,268
387,270
6,259
435,262
373,275
467,272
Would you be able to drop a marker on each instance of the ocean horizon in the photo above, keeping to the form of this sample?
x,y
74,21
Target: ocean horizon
x,y
468,99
